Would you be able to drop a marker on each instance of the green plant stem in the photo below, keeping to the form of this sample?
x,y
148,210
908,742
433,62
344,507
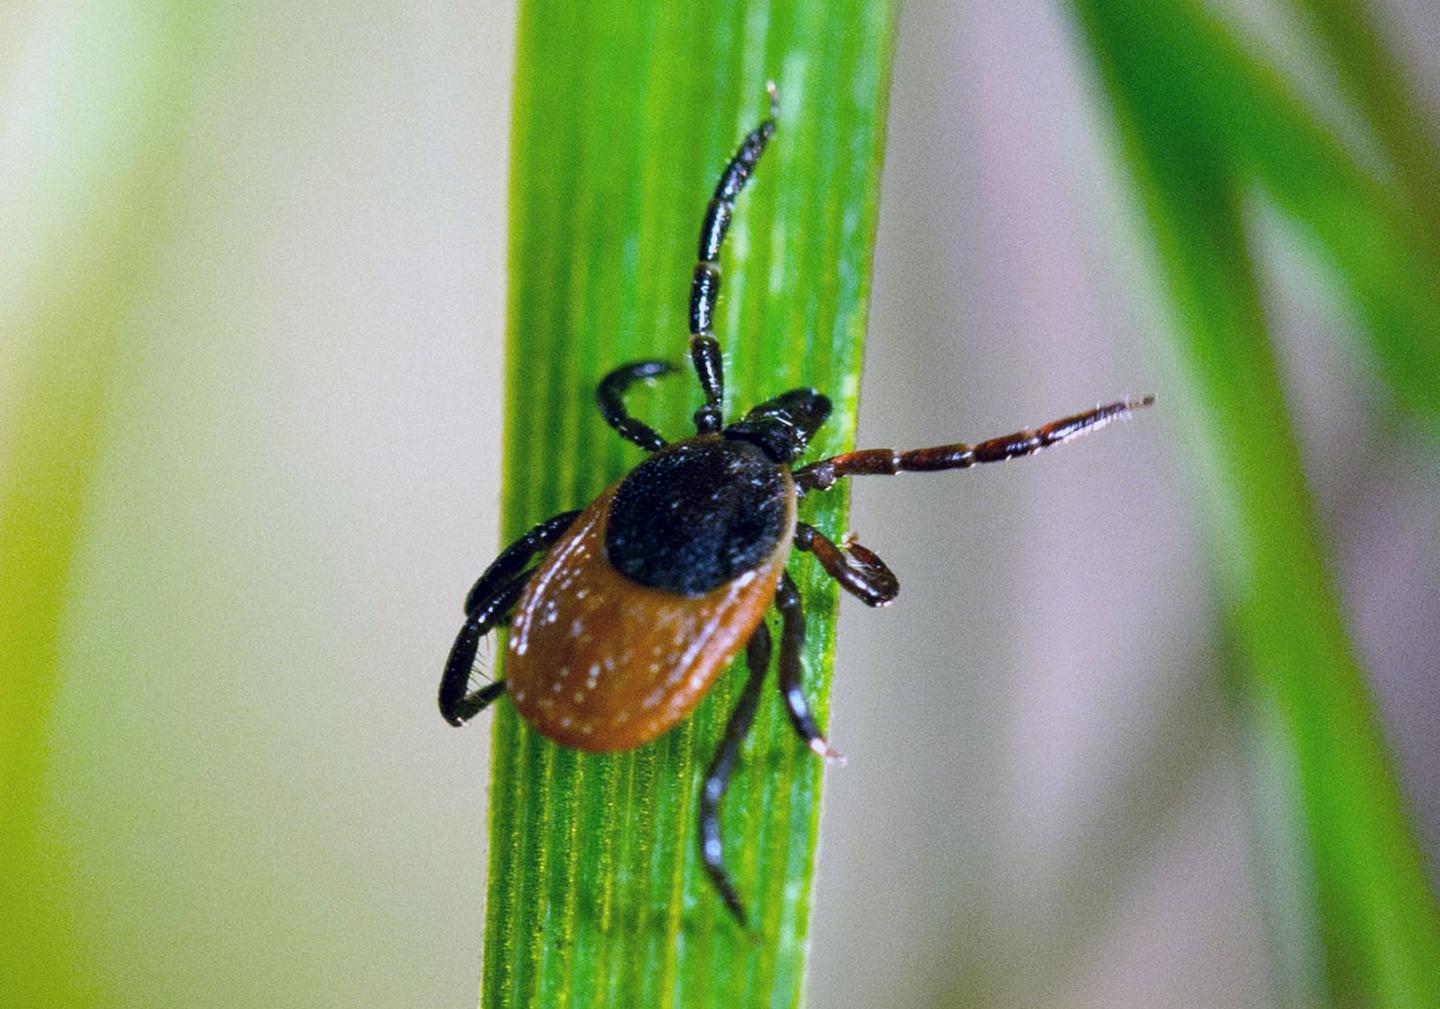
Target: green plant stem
x,y
1360,894
624,115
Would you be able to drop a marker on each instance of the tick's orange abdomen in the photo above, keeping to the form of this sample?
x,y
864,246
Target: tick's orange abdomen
x,y
599,662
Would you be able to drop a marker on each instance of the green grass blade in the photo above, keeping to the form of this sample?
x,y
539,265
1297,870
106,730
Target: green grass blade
x,y
624,115
1364,893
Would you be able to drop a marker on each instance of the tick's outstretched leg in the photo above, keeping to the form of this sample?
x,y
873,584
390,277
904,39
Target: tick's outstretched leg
x,y
792,673
611,396
857,569
887,461
717,775
705,287
486,605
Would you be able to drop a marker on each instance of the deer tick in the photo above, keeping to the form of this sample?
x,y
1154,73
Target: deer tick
x,y
645,596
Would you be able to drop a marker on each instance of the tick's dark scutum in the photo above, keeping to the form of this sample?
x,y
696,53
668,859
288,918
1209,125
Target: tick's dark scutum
x,y
698,514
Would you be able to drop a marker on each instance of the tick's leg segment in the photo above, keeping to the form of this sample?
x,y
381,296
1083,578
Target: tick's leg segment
x,y
886,461
487,604
456,705
705,287
611,396
792,643
857,569
476,702
717,775
512,559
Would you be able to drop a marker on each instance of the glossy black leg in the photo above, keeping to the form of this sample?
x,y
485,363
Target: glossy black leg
x,y
487,605
611,396
858,570
717,775
792,673
887,461
705,286
457,703
512,559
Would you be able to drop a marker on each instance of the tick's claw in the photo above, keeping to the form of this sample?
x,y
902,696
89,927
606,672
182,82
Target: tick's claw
x,y
826,752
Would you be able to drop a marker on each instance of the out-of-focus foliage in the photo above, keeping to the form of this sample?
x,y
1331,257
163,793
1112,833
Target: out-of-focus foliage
x,y
82,209
1205,123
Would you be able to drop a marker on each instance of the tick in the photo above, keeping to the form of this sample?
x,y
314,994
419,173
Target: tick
x,y
645,596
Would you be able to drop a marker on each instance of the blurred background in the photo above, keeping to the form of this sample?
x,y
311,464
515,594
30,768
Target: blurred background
x,y
272,239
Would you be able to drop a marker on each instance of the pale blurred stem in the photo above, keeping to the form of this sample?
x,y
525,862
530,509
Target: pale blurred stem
x,y
43,484
93,236
1378,83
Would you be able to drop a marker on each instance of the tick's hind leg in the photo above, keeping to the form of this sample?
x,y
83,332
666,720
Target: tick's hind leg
x,y
792,672
717,775
887,461
487,604
611,397
457,703
705,285
858,570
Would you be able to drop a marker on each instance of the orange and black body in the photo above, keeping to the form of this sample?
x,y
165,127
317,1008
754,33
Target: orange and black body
x,y
644,597
650,594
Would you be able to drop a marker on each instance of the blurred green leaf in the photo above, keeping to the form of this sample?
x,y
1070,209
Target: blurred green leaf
x,y
1374,78
83,215
1198,82
1202,122
624,116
